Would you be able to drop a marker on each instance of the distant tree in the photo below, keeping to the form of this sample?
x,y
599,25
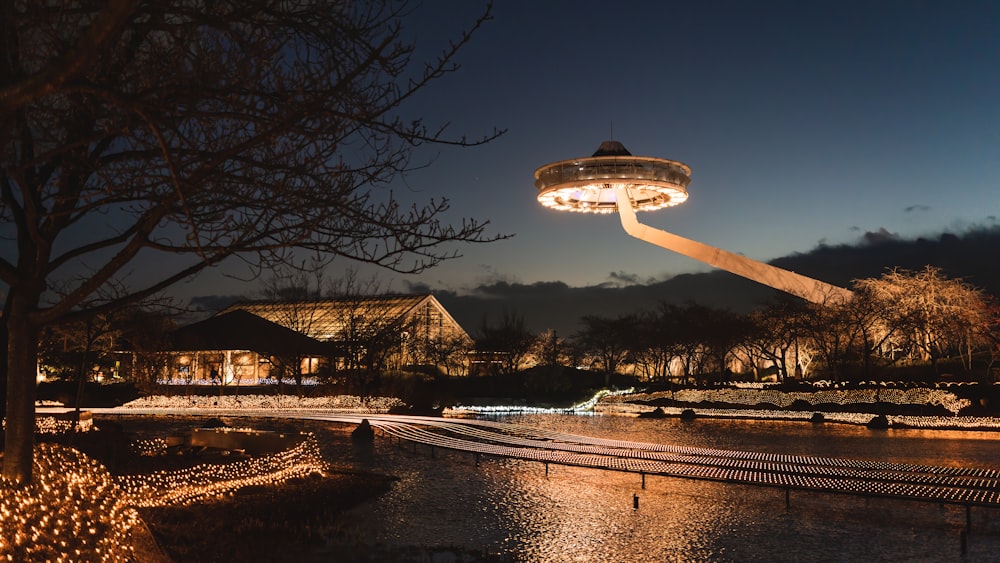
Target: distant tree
x,y
184,133
449,352
721,332
651,346
778,336
68,351
750,352
299,290
509,342
364,327
550,350
876,326
831,329
607,341
991,333
78,348
371,333
937,316
144,331
74,351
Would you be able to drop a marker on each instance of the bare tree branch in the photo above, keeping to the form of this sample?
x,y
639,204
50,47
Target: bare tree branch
x,y
198,132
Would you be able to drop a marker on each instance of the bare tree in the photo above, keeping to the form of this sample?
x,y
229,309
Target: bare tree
x,y
370,329
779,336
183,133
831,330
550,350
606,340
938,316
509,342
721,331
299,289
144,332
657,340
450,352
876,326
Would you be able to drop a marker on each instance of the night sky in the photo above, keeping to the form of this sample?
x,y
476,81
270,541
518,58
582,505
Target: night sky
x,y
804,123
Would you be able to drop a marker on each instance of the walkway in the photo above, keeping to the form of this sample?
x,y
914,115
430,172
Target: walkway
x,y
958,485
954,485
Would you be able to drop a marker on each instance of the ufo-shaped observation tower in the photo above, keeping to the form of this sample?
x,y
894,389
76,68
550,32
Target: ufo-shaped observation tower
x,y
614,180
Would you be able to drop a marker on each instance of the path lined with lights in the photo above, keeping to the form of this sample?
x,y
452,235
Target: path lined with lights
x,y
955,485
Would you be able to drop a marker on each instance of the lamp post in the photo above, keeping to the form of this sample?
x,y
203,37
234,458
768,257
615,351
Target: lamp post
x,y
613,180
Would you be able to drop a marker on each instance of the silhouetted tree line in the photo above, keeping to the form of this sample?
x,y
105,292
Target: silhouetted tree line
x,y
904,324
918,320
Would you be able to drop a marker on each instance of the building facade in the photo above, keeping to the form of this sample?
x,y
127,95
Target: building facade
x,y
256,342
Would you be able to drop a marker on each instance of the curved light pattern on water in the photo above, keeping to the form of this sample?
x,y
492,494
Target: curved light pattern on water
x,y
586,407
446,507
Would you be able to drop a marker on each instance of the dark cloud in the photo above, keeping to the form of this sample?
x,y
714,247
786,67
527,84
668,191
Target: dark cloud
x,y
491,275
878,237
508,289
624,278
620,278
417,287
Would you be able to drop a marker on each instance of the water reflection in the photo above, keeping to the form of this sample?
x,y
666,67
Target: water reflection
x,y
449,508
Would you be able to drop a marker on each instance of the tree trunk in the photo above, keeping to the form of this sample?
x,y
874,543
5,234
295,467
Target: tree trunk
x,y
81,375
3,366
22,366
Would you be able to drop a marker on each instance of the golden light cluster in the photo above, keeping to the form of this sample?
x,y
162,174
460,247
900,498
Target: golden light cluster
x,y
205,481
339,403
72,511
747,396
149,447
585,407
53,425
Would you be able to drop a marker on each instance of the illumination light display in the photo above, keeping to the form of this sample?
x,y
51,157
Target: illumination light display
x,y
586,407
185,486
914,396
74,510
338,403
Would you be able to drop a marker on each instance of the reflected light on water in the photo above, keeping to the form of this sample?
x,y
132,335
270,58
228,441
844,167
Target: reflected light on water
x,y
452,508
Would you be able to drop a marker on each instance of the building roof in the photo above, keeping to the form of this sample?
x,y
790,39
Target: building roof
x,y
336,319
241,330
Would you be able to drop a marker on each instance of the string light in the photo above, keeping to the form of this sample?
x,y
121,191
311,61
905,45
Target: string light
x,y
186,486
750,396
72,507
337,403
75,510
586,407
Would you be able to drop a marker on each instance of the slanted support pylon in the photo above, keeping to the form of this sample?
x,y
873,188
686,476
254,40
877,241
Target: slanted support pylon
x,y
790,282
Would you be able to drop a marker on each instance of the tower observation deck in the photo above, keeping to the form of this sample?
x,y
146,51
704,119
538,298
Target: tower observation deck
x,y
613,180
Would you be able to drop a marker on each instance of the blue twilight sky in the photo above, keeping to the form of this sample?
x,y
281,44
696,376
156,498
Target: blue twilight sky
x,y
804,122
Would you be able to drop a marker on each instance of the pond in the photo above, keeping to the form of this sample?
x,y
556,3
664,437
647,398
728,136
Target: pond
x,y
449,507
